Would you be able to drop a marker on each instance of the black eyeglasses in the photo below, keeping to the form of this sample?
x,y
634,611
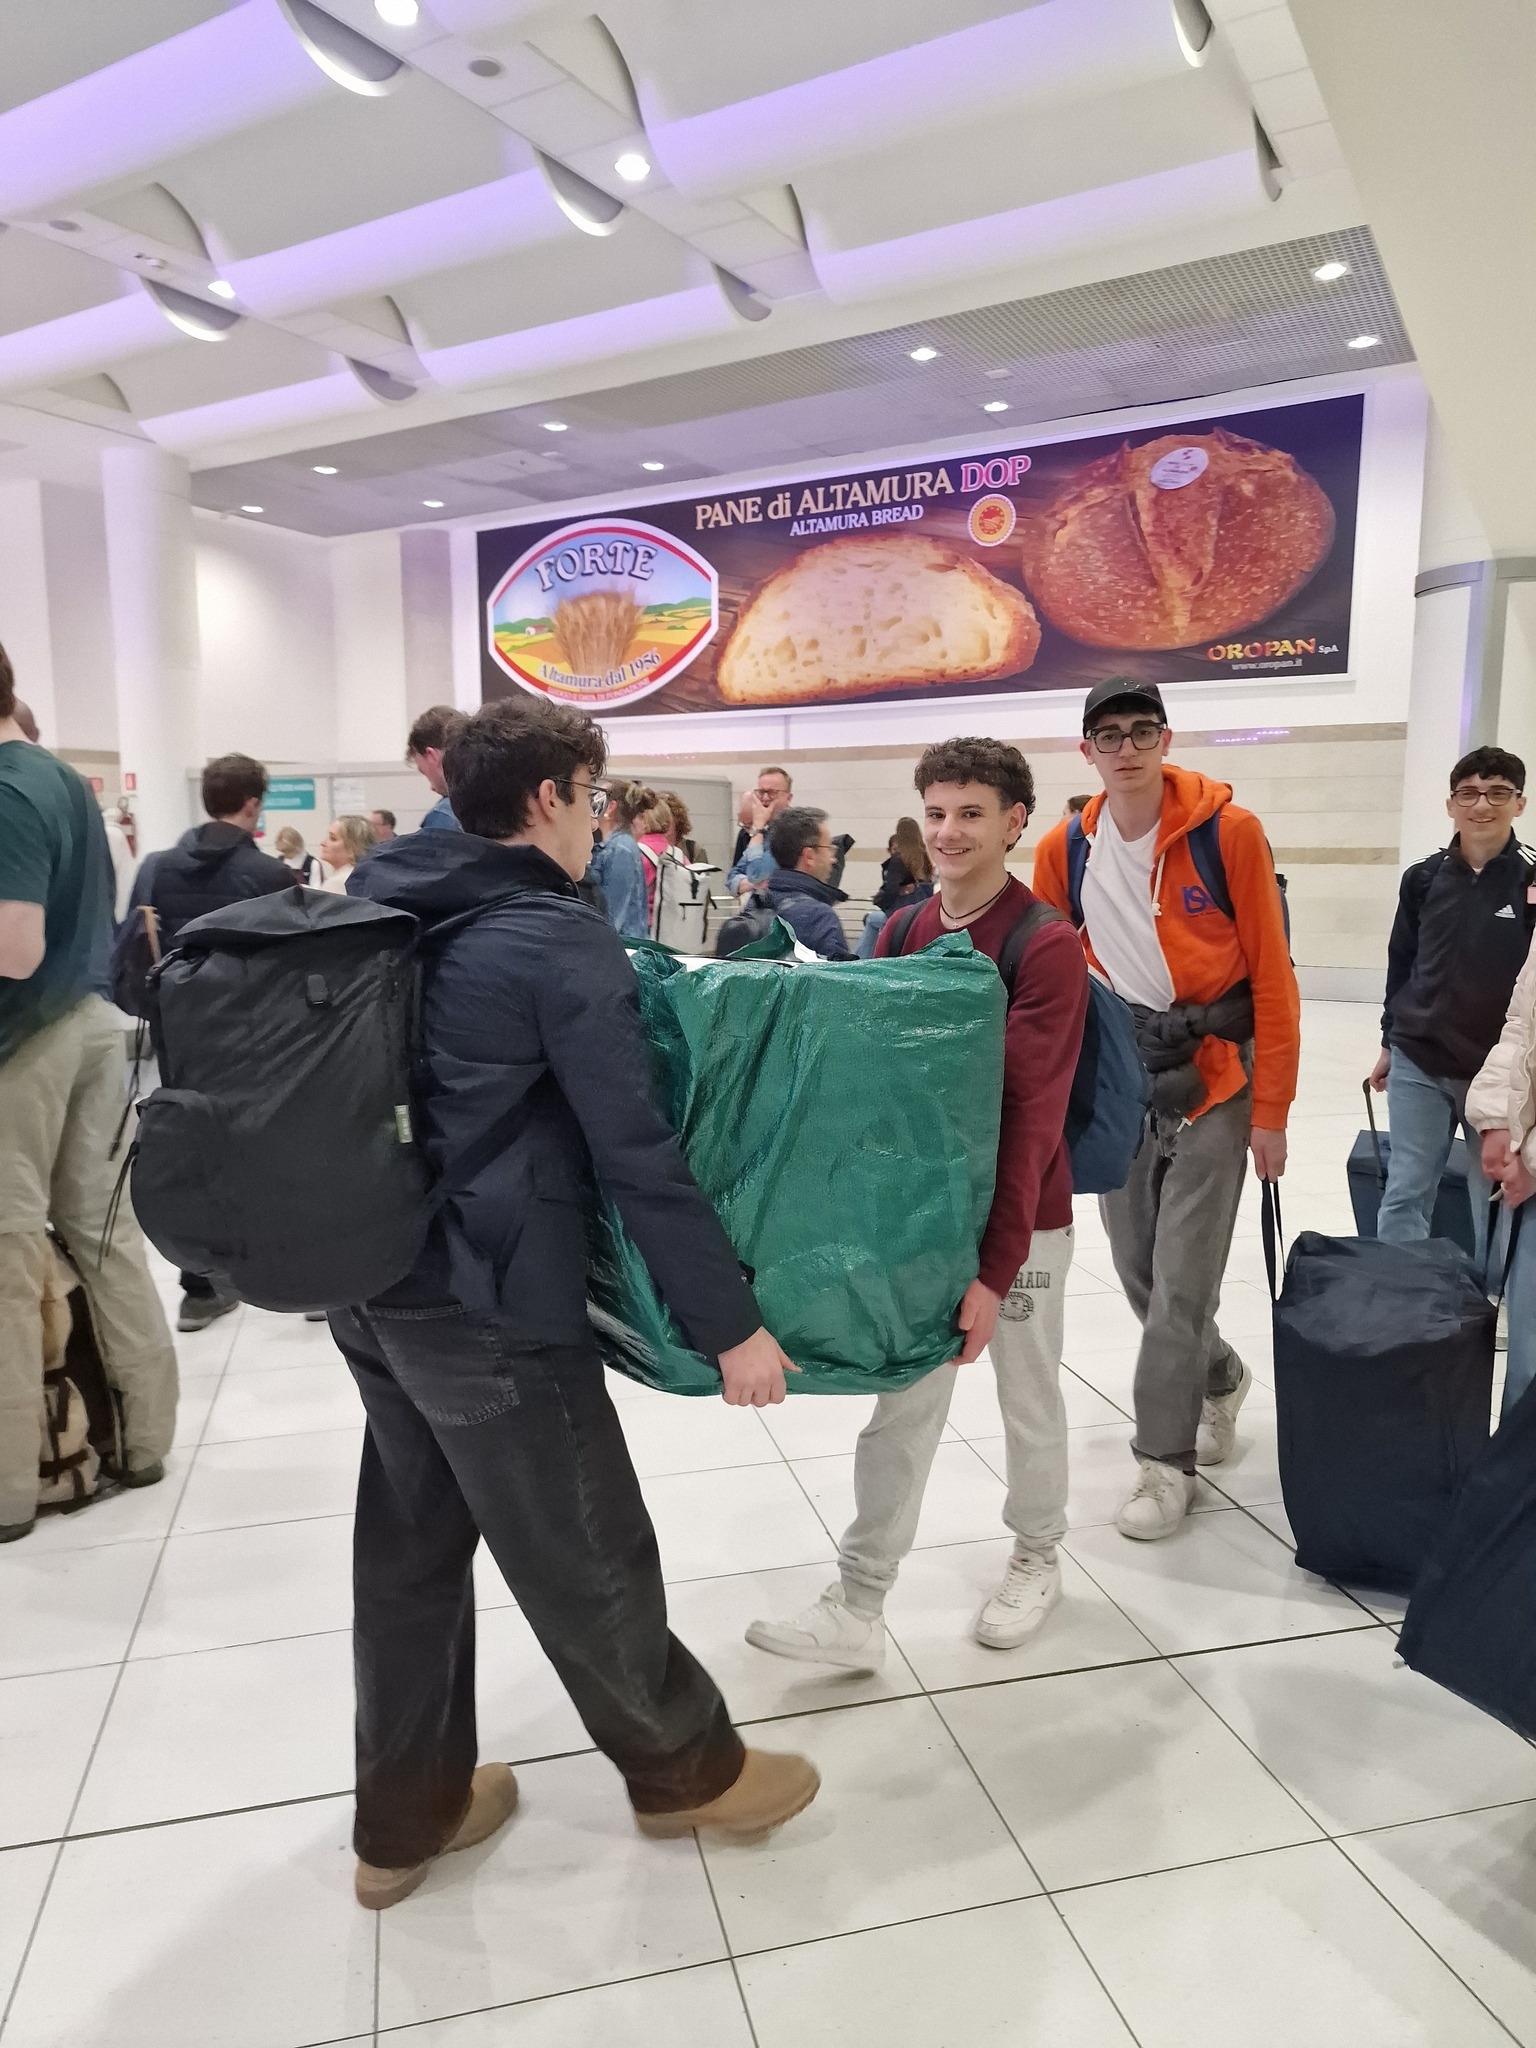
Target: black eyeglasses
x,y
597,795
1143,736
1466,798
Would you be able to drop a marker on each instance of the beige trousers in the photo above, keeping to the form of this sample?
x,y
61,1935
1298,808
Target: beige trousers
x,y
60,1098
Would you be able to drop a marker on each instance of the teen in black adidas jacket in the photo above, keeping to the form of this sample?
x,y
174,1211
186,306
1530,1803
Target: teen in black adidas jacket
x,y
1458,942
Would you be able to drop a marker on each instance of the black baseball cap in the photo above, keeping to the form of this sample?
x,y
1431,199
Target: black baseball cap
x,y
1115,691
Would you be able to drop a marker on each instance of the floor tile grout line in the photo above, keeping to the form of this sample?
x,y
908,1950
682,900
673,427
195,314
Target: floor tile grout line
x,y
1045,1892
725,1936
378,1962
470,2012
122,1665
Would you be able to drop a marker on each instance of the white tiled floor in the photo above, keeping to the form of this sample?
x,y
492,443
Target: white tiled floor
x,y
1202,1808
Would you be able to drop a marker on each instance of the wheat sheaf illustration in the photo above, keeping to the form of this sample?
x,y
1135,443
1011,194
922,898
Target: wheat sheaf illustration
x,y
592,632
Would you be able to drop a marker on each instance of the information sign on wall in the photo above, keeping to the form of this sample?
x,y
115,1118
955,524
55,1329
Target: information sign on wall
x,y
291,793
1221,547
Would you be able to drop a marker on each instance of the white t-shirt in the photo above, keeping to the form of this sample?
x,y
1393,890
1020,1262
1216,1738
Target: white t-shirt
x,y
1118,912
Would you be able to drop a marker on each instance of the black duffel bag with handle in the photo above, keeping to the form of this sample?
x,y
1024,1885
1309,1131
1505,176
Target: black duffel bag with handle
x,y
1383,1393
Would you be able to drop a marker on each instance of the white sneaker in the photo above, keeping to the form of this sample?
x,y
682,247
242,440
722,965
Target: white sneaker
x,y
1218,1422
1017,1610
1157,1503
828,1632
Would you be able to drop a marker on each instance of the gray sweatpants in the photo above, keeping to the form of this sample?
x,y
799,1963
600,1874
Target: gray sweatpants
x,y
1170,1229
60,1098
896,1446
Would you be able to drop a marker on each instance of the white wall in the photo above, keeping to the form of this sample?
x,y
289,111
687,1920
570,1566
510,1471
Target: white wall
x,y
266,617
371,719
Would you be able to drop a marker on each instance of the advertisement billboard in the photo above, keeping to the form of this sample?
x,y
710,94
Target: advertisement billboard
x,y
1222,547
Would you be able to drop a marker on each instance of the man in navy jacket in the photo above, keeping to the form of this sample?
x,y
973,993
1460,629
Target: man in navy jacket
x,y
487,1409
798,887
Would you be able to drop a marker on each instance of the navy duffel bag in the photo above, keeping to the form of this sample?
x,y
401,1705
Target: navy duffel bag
x,y
1383,1391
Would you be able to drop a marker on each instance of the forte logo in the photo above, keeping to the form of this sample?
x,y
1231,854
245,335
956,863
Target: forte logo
x,y
602,612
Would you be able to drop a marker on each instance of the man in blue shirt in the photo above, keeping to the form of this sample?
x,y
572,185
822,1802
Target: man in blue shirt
x,y
769,800
797,886
617,866
424,750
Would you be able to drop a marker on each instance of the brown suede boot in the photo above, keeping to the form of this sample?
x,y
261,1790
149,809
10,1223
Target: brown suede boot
x,y
772,1789
492,1802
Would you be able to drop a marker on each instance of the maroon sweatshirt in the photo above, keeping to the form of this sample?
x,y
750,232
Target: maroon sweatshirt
x,y
1043,1038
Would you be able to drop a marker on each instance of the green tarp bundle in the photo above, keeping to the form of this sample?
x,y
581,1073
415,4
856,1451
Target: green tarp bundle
x,y
843,1120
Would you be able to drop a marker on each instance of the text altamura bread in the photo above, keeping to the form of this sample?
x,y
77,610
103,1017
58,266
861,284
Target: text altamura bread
x,y
854,616
1176,542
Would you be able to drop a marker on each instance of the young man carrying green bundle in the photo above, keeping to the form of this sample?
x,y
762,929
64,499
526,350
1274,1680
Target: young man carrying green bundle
x,y
977,797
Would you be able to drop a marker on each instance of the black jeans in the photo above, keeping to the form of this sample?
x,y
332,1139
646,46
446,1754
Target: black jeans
x,y
469,1436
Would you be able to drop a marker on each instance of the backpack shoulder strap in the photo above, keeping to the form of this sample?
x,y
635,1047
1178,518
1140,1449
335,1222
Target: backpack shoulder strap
x,y
1077,865
1017,941
1205,851
899,925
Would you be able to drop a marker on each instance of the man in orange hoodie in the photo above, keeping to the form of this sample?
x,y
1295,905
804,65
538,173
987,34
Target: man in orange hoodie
x,y
1174,890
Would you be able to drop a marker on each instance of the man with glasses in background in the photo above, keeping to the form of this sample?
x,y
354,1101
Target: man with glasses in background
x,y
1174,890
1462,931
756,863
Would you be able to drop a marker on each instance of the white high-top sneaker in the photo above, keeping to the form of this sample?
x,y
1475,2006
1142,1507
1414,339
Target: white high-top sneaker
x,y
1030,1589
1218,1423
1157,1503
827,1632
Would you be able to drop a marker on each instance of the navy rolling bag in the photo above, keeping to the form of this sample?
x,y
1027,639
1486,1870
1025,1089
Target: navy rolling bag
x,y
1368,1159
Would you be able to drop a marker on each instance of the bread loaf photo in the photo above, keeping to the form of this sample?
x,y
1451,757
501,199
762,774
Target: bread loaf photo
x,y
1181,540
853,617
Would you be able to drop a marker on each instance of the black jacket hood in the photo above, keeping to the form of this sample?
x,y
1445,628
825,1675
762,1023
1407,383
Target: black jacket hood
x,y
210,846
438,875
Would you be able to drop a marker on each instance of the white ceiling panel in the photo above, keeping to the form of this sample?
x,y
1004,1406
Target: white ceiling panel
x,y
46,46
337,164
43,280
690,56
249,358
559,281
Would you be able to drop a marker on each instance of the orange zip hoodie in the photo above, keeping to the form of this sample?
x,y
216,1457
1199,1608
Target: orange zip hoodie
x,y
1206,952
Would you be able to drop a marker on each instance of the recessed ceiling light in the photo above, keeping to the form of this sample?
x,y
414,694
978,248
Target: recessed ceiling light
x,y
653,465
924,355
555,427
65,227
150,262
633,168
325,469
995,405
221,290
486,67
253,508
1366,341
1325,273
433,504
398,13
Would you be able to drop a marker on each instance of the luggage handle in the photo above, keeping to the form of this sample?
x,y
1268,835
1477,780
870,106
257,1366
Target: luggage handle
x,y
1272,1230
1370,1117
1495,1204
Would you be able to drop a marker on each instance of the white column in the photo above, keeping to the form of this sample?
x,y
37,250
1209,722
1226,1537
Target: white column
x,y
152,579
26,630
371,716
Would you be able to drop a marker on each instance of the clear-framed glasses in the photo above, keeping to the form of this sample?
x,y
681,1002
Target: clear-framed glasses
x,y
597,793
1144,735
1466,797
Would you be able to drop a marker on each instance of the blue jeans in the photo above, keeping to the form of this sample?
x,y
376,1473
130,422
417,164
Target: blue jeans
x,y
1520,1298
1424,1113
869,938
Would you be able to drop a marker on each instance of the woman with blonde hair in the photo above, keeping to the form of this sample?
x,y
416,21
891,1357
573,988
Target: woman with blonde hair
x,y
343,846
288,844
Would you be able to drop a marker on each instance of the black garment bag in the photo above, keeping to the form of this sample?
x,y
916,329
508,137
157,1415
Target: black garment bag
x,y
1369,1157
1469,1624
1383,1391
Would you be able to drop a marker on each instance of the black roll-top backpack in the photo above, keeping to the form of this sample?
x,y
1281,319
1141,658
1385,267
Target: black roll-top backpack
x,y
279,1155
